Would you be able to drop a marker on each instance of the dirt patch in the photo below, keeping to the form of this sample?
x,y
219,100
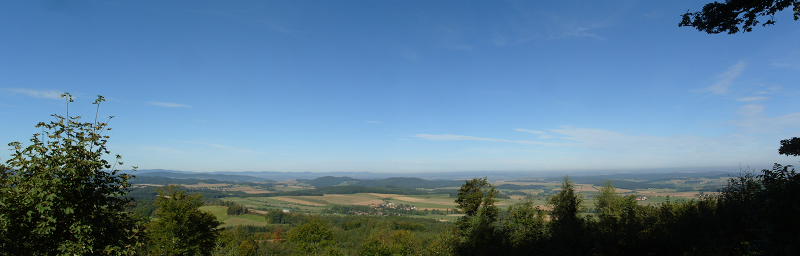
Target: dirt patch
x,y
257,211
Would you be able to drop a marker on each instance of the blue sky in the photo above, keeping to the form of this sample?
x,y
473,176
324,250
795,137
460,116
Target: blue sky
x,y
404,86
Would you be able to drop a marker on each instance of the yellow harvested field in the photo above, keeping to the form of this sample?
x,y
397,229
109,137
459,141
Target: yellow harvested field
x,y
250,190
582,188
439,201
689,194
296,200
585,188
207,185
354,199
384,195
412,199
257,211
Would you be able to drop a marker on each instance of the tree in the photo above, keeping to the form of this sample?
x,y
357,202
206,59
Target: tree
x,y
567,228
477,197
390,243
719,17
237,209
566,204
181,228
59,196
312,237
524,225
790,147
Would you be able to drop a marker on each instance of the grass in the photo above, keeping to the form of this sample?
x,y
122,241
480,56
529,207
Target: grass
x,y
229,221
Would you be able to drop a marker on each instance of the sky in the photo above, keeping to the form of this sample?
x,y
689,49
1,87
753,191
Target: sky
x,y
404,86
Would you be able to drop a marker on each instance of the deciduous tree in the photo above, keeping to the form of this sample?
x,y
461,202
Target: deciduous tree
x,y
59,196
790,147
181,228
719,17
477,196
312,237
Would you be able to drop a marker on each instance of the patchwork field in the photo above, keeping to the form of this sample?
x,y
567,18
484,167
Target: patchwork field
x,y
230,221
656,192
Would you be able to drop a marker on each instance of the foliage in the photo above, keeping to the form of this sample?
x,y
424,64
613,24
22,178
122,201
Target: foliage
x,y
524,226
790,147
181,228
312,237
476,199
566,204
280,217
719,17
61,197
567,227
390,243
236,209
769,204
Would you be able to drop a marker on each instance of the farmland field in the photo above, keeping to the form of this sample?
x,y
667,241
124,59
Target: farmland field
x,y
656,192
230,221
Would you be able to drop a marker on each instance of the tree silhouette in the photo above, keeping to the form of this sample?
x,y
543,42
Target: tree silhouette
x,y
719,17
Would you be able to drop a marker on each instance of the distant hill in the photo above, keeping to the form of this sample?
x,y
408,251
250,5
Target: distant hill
x,y
186,175
643,177
328,181
410,183
398,182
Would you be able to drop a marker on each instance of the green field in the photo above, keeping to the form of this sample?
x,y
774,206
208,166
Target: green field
x,y
230,221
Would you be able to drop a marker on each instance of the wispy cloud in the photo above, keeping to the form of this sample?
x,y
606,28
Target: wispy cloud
x,y
41,94
542,135
529,131
563,28
752,120
616,141
751,110
168,104
749,99
373,122
769,90
598,139
786,65
725,80
446,137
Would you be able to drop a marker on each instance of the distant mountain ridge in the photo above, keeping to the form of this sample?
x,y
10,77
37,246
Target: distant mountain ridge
x,y
403,182
492,175
212,176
